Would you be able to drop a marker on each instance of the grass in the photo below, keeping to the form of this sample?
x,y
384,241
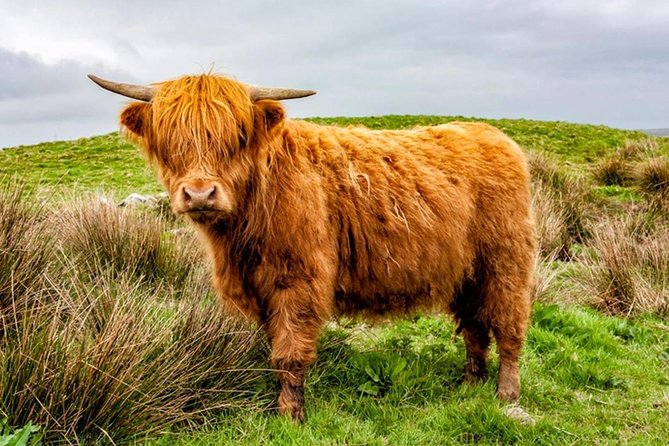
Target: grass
x,y
84,283
102,163
653,177
108,328
629,265
588,379
562,205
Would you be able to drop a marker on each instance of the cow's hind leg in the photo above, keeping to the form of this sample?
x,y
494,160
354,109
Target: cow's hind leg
x,y
496,299
477,343
508,383
476,332
506,307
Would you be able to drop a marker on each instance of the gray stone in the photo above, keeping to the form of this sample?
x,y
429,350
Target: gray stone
x,y
515,412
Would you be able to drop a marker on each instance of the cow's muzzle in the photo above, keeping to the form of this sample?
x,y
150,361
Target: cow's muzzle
x,y
201,198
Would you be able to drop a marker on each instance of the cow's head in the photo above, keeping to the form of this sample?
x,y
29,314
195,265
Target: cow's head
x,y
203,132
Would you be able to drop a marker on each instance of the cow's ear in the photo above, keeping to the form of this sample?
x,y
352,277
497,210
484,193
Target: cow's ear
x,y
269,113
136,117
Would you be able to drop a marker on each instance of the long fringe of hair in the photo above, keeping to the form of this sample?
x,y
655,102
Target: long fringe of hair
x,y
201,120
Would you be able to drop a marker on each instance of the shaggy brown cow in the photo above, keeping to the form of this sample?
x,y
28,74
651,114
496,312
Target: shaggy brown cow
x,y
304,221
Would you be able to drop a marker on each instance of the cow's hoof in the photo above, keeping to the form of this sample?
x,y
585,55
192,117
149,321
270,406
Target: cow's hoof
x,y
291,402
476,371
508,393
295,413
508,385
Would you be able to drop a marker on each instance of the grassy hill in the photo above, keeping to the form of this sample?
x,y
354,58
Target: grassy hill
x,y
109,330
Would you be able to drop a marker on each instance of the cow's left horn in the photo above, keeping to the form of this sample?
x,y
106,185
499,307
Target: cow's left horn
x,y
258,93
140,92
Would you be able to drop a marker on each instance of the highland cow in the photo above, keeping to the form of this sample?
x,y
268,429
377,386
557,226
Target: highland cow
x,y
305,221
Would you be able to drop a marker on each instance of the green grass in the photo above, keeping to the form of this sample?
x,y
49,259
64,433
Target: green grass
x,y
103,163
587,379
620,193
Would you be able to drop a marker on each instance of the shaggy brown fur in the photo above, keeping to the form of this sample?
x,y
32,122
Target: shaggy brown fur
x,y
304,221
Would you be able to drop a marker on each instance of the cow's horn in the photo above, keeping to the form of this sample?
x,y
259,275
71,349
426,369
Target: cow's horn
x,y
258,93
140,92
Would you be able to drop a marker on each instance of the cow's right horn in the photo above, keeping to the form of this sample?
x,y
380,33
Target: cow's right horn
x,y
140,92
258,93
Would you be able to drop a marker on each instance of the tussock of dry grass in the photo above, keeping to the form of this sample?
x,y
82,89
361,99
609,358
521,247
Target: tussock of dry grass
x,y
550,220
26,248
562,207
544,278
615,259
638,149
121,337
618,170
652,177
629,266
614,171
546,170
126,240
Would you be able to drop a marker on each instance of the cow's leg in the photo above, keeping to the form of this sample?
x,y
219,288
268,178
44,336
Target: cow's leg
x,y
475,330
508,346
508,307
293,326
477,342
507,278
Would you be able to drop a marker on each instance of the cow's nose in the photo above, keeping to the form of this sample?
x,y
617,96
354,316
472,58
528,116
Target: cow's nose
x,y
199,198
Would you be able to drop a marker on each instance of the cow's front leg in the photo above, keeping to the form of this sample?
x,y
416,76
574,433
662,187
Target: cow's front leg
x,y
294,323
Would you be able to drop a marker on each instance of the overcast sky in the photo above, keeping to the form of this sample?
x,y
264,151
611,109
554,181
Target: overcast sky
x,y
592,61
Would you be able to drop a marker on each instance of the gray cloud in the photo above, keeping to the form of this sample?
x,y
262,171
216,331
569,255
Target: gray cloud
x,y
585,61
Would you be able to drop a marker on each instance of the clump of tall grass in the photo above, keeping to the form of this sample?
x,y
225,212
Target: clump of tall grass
x,y
546,171
618,169
637,149
545,273
613,171
562,207
628,265
652,178
138,241
107,359
26,248
92,350
549,221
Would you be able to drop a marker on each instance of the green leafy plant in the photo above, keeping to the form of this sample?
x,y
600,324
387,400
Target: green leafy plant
x,y
28,435
381,372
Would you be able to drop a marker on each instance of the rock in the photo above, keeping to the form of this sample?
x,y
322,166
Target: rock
x,y
134,199
151,201
515,412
